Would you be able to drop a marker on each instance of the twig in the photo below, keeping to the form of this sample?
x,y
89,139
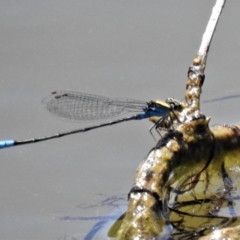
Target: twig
x,y
208,35
196,71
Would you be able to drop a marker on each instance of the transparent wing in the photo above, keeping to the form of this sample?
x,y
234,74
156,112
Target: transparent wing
x,y
82,106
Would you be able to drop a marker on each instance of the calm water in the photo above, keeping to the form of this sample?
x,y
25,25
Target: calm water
x,y
138,50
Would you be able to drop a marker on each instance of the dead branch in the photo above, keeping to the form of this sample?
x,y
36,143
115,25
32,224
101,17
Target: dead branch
x,y
208,35
196,74
173,171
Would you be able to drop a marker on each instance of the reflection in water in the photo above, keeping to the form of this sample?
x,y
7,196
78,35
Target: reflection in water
x,y
113,205
212,204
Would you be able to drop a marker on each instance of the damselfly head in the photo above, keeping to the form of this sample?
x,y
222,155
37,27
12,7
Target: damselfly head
x,y
175,104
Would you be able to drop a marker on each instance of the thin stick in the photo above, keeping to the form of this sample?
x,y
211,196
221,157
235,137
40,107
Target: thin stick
x,y
196,71
208,35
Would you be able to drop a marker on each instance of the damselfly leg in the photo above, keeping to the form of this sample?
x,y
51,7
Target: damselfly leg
x,y
81,106
166,122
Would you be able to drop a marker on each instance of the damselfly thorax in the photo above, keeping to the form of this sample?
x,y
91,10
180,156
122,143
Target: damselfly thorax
x,y
77,106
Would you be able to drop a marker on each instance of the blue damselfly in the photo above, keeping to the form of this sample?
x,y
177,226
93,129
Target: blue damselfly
x,y
82,106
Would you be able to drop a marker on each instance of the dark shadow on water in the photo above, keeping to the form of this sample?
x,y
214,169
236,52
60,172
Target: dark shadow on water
x,y
222,98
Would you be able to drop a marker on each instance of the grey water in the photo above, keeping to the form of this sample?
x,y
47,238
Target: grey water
x,y
139,50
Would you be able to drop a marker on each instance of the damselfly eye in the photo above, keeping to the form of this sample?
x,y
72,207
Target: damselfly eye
x,y
175,105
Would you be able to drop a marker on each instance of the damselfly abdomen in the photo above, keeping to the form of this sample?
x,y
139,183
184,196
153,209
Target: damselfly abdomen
x,y
85,107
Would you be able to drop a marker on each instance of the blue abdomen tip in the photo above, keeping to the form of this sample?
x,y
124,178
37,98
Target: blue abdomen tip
x,y
7,143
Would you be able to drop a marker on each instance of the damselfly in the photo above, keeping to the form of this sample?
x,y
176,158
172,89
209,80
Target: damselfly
x,y
82,106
